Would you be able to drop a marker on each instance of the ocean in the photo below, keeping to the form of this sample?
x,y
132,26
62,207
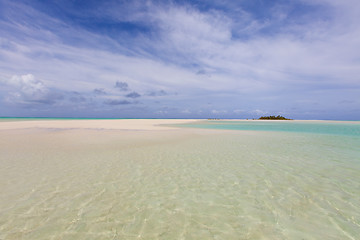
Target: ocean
x,y
208,180
343,128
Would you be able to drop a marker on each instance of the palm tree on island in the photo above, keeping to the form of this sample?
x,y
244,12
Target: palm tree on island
x,y
278,117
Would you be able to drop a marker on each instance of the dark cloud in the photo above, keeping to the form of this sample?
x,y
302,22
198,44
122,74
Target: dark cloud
x,y
346,101
99,91
49,99
157,93
76,97
117,102
122,86
133,95
201,72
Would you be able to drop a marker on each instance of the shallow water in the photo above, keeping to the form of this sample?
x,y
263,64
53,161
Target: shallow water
x,y
345,128
199,184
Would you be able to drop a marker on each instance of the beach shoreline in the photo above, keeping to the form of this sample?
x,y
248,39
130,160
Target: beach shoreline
x,y
127,124
110,124
125,178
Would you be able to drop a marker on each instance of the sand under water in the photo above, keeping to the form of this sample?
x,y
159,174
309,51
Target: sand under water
x,y
166,183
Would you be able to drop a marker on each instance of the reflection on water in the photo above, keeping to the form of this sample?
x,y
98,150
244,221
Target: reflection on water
x,y
234,185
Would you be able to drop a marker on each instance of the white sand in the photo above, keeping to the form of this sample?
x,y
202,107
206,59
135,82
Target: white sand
x,y
119,124
134,179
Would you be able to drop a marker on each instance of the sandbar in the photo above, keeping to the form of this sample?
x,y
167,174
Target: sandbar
x,y
118,124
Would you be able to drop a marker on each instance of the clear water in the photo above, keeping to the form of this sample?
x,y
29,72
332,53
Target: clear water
x,y
350,128
188,184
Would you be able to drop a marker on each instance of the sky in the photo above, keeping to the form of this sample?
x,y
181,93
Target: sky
x,y
180,59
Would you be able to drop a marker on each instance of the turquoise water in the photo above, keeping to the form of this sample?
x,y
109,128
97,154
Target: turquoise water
x,y
323,127
281,180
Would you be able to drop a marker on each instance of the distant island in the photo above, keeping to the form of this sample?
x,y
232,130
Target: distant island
x,y
278,117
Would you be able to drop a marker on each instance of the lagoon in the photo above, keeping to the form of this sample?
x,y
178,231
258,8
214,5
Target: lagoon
x,y
184,183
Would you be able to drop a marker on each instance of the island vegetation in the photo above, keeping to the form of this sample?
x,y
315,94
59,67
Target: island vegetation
x,y
278,117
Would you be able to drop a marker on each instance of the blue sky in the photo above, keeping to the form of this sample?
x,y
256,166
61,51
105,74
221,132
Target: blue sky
x,y
180,59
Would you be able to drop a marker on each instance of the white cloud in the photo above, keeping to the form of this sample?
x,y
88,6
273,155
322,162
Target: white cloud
x,y
25,89
185,111
184,23
214,111
238,111
295,60
258,112
204,38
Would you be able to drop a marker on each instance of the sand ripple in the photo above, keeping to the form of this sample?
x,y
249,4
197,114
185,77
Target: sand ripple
x,y
193,186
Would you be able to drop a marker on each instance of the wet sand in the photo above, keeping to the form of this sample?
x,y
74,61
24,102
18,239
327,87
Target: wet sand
x,y
133,179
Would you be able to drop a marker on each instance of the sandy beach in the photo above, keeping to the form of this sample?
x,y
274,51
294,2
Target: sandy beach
x,y
51,170
118,124
136,179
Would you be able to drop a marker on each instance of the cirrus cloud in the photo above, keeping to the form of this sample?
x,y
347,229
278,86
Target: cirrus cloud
x,y
234,54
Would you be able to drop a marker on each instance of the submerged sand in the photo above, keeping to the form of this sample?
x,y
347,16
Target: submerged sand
x,y
135,179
